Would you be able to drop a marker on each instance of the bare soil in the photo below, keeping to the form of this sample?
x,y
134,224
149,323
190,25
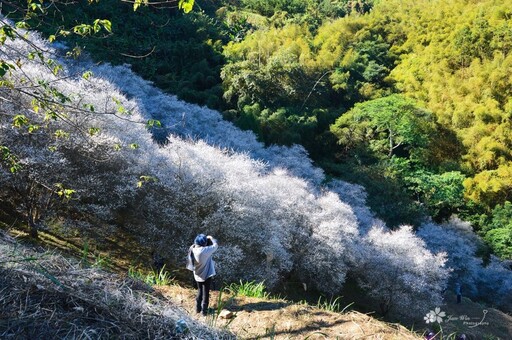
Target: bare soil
x,y
256,318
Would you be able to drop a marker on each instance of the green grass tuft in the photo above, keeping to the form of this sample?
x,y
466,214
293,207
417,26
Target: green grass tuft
x,y
154,277
248,289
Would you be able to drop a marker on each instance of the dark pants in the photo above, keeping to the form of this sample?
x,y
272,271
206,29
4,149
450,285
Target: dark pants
x,y
459,298
203,296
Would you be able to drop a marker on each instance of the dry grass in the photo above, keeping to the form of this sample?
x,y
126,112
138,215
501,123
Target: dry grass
x,y
46,296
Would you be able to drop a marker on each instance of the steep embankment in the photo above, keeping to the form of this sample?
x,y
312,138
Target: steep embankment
x,y
45,295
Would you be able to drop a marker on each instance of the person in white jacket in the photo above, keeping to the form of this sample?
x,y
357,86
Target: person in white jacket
x,y
200,261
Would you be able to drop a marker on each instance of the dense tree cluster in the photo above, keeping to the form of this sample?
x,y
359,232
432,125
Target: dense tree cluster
x,y
330,84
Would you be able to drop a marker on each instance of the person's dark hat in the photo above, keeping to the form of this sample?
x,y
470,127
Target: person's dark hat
x,y
201,240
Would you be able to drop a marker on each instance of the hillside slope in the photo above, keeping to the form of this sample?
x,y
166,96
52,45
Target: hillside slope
x,y
261,318
256,318
44,295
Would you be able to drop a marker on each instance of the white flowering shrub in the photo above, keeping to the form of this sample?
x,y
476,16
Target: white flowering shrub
x,y
355,196
460,244
491,283
400,273
330,247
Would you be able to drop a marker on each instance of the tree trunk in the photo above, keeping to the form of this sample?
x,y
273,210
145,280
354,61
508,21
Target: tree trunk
x,y
33,229
33,224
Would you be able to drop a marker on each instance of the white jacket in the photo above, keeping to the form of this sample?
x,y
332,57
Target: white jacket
x,y
201,262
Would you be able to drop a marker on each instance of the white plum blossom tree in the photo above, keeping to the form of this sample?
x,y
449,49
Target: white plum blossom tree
x,y
400,273
490,282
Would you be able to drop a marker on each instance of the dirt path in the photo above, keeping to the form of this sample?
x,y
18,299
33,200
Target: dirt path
x,y
279,319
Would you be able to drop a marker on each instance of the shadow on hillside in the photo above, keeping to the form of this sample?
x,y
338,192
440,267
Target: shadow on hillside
x,y
259,306
313,328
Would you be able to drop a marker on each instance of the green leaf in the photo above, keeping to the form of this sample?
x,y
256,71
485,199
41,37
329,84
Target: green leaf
x,y
64,193
93,131
51,115
137,3
6,32
186,5
86,75
107,25
35,7
33,128
22,24
83,29
7,156
99,23
64,33
89,107
5,67
120,108
153,123
61,134
19,120
146,179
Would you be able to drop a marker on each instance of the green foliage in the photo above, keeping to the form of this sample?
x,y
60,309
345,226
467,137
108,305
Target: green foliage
x,y
331,305
441,194
284,87
65,194
248,289
154,277
9,159
86,29
388,196
497,230
385,127
402,140
270,7
180,53
186,5
490,187
5,67
308,11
